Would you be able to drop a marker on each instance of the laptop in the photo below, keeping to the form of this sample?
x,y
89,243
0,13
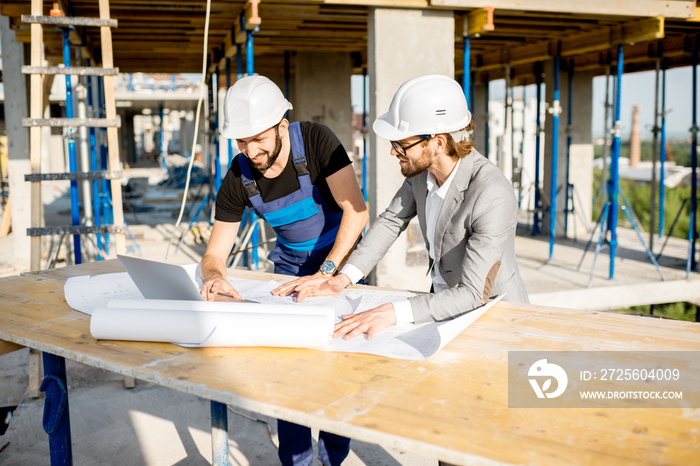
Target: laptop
x,y
158,280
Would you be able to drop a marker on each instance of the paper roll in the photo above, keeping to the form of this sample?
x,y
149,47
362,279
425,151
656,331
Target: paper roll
x,y
310,328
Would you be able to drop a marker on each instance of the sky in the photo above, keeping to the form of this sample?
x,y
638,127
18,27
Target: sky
x,y
637,89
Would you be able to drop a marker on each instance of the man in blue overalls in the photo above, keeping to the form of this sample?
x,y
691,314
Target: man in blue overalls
x,y
299,178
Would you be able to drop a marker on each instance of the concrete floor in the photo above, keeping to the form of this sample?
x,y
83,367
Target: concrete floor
x,y
150,425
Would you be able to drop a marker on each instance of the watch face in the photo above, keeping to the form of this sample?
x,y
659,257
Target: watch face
x,y
328,267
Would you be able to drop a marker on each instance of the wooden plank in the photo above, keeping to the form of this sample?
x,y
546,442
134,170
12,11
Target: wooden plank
x,y
36,110
64,273
577,44
77,230
252,19
102,175
381,3
643,31
64,122
695,18
112,136
479,21
70,70
34,373
69,21
9,347
453,406
669,9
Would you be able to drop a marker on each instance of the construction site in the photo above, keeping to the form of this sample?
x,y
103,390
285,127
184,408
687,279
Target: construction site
x,y
111,144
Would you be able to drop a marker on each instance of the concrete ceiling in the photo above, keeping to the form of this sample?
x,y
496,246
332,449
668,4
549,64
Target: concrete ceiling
x,y
167,35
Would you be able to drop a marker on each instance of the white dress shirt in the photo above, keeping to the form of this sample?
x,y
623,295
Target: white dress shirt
x,y
433,204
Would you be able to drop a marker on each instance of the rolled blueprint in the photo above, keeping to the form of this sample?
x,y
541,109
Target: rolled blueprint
x,y
188,323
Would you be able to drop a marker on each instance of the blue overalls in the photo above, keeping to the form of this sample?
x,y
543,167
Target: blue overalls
x,y
305,226
306,229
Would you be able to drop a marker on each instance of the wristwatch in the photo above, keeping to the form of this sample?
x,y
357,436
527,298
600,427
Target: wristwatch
x,y
328,268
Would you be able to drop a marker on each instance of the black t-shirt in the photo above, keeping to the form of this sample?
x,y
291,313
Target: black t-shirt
x,y
325,156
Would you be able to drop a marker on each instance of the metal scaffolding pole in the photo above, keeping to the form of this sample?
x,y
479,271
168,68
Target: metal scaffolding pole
x,y
662,152
239,61
215,135
94,164
364,133
229,144
606,133
72,156
538,135
506,114
614,183
654,157
513,159
556,110
569,194
692,263
466,70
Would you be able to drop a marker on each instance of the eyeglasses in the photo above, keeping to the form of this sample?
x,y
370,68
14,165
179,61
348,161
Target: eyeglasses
x,y
401,150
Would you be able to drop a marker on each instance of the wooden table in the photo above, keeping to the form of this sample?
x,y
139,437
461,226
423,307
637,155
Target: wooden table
x,y
453,406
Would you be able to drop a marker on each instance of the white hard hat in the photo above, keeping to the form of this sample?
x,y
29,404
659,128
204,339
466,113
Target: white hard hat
x,y
431,104
252,105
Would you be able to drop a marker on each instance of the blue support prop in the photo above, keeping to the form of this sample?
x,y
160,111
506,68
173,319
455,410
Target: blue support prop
x,y
662,155
161,133
56,420
614,181
692,233
106,197
466,71
249,53
364,133
569,208
555,160
538,130
219,434
94,166
72,157
608,217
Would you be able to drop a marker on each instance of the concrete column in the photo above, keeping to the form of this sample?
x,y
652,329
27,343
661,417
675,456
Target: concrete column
x,y
481,117
581,156
581,160
127,137
16,108
393,58
322,91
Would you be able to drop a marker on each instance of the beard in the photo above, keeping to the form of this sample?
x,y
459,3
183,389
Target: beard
x,y
416,167
263,166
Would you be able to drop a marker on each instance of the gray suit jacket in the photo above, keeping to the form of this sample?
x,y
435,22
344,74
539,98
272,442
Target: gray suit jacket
x,y
474,239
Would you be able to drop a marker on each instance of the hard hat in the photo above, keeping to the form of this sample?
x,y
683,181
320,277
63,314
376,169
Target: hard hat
x,y
252,105
431,104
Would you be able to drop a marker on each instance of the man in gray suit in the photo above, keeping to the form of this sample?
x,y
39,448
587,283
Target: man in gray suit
x,y
465,206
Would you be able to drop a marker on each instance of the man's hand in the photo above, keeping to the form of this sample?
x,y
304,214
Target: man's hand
x,y
214,288
290,287
313,285
370,322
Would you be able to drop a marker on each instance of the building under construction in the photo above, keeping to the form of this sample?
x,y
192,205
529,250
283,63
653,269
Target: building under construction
x,y
312,49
